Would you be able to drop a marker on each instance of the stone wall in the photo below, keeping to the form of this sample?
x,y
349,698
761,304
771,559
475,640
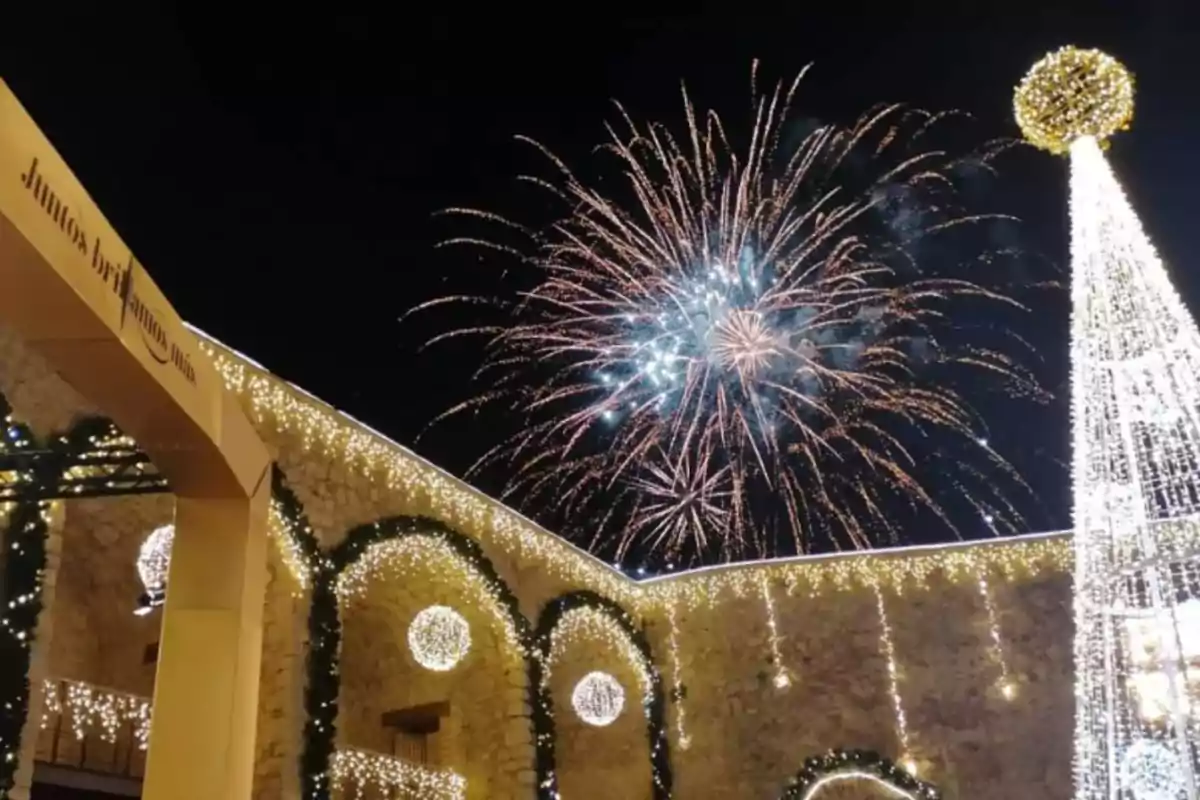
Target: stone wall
x,y
982,675
987,710
957,656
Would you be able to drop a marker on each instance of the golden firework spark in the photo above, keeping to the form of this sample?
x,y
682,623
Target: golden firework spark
x,y
741,346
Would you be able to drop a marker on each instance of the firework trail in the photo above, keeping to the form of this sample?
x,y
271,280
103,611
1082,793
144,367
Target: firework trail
x,y
736,357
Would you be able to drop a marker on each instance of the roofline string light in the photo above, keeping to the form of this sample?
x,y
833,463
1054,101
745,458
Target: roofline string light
x,y
290,410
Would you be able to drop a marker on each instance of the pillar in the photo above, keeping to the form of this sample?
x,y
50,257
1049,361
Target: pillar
x,y
206,687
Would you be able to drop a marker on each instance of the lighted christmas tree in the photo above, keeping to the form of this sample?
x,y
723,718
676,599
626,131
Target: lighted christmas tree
x,y
1135,358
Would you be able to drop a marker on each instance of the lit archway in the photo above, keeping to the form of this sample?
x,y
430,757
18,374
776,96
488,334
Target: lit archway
x,y
570,630
347,574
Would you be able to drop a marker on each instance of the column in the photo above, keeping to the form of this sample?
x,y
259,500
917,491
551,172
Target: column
x,y
206,687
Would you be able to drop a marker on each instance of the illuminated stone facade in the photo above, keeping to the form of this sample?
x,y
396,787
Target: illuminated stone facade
x,y
981,669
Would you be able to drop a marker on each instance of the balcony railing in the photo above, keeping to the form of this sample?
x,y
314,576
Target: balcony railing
x,y
106,731
93,728
362,774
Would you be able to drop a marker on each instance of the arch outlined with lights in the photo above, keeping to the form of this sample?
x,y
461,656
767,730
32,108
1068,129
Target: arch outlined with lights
x,y
654,700
323,686
839,766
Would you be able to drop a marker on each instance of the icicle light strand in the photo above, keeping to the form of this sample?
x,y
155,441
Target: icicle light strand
x,y
889,653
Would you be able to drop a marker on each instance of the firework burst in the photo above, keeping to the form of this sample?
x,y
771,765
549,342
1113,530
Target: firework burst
x,y
744,353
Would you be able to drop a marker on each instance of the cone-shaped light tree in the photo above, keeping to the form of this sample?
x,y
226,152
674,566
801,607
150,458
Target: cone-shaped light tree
x,y
1135,400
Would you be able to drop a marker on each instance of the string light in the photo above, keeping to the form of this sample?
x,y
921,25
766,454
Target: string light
x,y
889,653
429,490
425,555
112,443
1135,357
22,635
26,525
897,570
782,679
1151,770
681,737
601,633
854,776
856,767
439,638
284,533
1007,687
394,777
598,699
91,709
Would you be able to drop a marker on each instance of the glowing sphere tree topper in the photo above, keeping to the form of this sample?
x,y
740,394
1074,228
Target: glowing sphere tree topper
x,y
439,638
1135,441
1072,93
598,699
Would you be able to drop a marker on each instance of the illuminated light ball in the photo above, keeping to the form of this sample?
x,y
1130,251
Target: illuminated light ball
x,y
598,699
1152,770
439,638
154,558
1072,93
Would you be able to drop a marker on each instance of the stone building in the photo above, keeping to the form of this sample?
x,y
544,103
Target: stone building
x,y
949,667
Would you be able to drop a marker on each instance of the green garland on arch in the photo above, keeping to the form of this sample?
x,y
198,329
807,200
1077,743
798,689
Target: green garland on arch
x,y
318,743
21,603
847,762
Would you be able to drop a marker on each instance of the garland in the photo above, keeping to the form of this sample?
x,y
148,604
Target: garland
x,y
663,780
21,601
317,754
819,769
24,568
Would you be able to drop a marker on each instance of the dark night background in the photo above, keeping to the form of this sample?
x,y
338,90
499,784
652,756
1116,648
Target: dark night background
x,y
277,174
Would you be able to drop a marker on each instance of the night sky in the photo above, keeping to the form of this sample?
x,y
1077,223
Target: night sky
x,y
278,175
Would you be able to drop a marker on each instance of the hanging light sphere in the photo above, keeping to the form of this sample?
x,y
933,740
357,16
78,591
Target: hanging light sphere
x,y
598,699
1151,770
154,559
1072,93
439,638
